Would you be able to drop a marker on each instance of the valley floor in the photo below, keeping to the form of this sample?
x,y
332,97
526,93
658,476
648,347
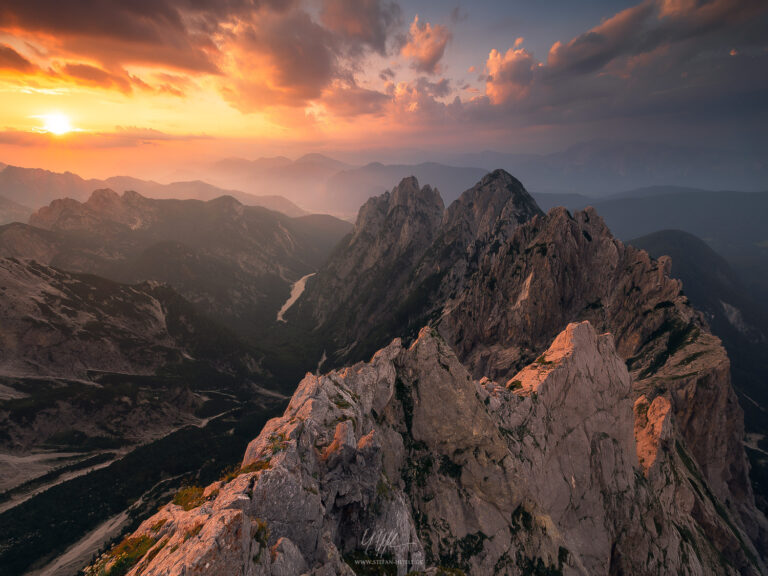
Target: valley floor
x,y
56,527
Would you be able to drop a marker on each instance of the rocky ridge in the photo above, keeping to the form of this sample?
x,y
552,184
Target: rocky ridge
x,y
550,449
500,291
539,474
373,263
404,257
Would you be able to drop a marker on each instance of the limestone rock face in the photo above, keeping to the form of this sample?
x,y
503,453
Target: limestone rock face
x,y
405,249
409,460
562,268
372,266
496,204
501,280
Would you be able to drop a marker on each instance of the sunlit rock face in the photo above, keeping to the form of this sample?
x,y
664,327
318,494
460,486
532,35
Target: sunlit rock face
x,y
500,280
409,457
554,405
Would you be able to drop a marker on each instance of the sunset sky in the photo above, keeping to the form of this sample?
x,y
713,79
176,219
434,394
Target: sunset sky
x,y
138,86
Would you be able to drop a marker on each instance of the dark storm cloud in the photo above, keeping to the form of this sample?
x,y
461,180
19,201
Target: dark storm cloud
x,y
361,23
438,89
172,32
658,57
647,27
290,59
281,60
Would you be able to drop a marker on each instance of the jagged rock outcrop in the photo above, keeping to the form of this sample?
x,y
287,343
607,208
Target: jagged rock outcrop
x,y
105,212
501,280
371,267
562,268
405,249
494,207
408,460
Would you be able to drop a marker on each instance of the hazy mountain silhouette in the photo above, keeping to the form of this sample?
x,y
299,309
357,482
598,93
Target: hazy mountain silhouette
x,y
233,260
36,188
601,167
348,190
13,212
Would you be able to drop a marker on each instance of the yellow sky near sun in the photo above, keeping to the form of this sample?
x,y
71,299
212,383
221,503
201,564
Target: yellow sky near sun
x,y
277,85
99,110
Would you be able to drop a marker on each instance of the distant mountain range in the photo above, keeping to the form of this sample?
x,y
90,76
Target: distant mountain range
x,y
10,211
320,183
601,167
32,188
234,261
302,181
597,168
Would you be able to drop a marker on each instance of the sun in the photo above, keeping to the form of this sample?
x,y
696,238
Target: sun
x,y
57,124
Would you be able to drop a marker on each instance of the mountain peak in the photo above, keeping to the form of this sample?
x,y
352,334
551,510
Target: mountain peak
x,y
104,195
406,202
105,200
132,196
225,200
499,202
408,193
501,175
500,187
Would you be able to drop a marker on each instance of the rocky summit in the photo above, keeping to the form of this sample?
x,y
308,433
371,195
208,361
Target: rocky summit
x,y
410,459
544,400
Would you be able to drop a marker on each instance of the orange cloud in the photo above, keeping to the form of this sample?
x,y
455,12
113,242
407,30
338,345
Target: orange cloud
x,y
93,76
12,60
175,33
510,75
278,60
426,45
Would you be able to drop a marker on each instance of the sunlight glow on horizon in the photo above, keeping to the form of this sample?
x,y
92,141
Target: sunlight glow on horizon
x,y
56,123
